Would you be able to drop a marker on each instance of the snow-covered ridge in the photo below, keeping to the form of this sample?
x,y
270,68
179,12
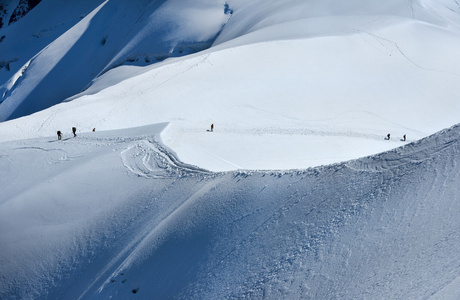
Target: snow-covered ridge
x,y
149,226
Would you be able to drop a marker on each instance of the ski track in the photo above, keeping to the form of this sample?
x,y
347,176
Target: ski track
x,y
298,131
142,160
147,158
112,269
153,222
55,155
391,47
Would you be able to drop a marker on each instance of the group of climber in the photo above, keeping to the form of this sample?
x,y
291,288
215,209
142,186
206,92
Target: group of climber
x,y
403,139
74,131
387,138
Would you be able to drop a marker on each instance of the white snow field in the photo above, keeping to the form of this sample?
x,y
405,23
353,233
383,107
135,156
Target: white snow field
x,y
296,194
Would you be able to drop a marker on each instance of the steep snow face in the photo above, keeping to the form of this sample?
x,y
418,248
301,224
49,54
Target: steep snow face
x,y
40,27
170,28
27,91
115,213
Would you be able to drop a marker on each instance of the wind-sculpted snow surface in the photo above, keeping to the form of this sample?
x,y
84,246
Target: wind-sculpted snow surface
x,y
116,215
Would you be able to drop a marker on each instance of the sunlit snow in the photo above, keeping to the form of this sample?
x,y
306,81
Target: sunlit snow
x,y
297,193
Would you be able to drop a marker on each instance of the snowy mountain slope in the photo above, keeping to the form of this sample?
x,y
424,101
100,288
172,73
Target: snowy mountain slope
x,y
40,27
113,33
320,81
114,213
162,211
333,112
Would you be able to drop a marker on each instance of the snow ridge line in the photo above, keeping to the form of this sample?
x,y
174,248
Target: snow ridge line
x,y
415,152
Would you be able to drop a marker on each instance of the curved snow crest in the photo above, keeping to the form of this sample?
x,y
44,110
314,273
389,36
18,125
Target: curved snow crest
x,y
414,153
302,234
173,231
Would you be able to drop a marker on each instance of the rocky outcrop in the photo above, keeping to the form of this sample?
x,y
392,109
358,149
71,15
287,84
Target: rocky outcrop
x,y
10,15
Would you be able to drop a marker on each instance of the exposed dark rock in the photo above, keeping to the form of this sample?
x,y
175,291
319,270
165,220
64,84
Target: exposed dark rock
x,y
22,9
3,13
6,63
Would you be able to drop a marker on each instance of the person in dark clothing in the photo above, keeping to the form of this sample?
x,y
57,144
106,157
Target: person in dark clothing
x,y
74,130
212,127
59,134
404,138
388,136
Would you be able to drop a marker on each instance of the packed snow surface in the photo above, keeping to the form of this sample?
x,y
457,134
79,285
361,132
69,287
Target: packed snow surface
x,y
297,193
